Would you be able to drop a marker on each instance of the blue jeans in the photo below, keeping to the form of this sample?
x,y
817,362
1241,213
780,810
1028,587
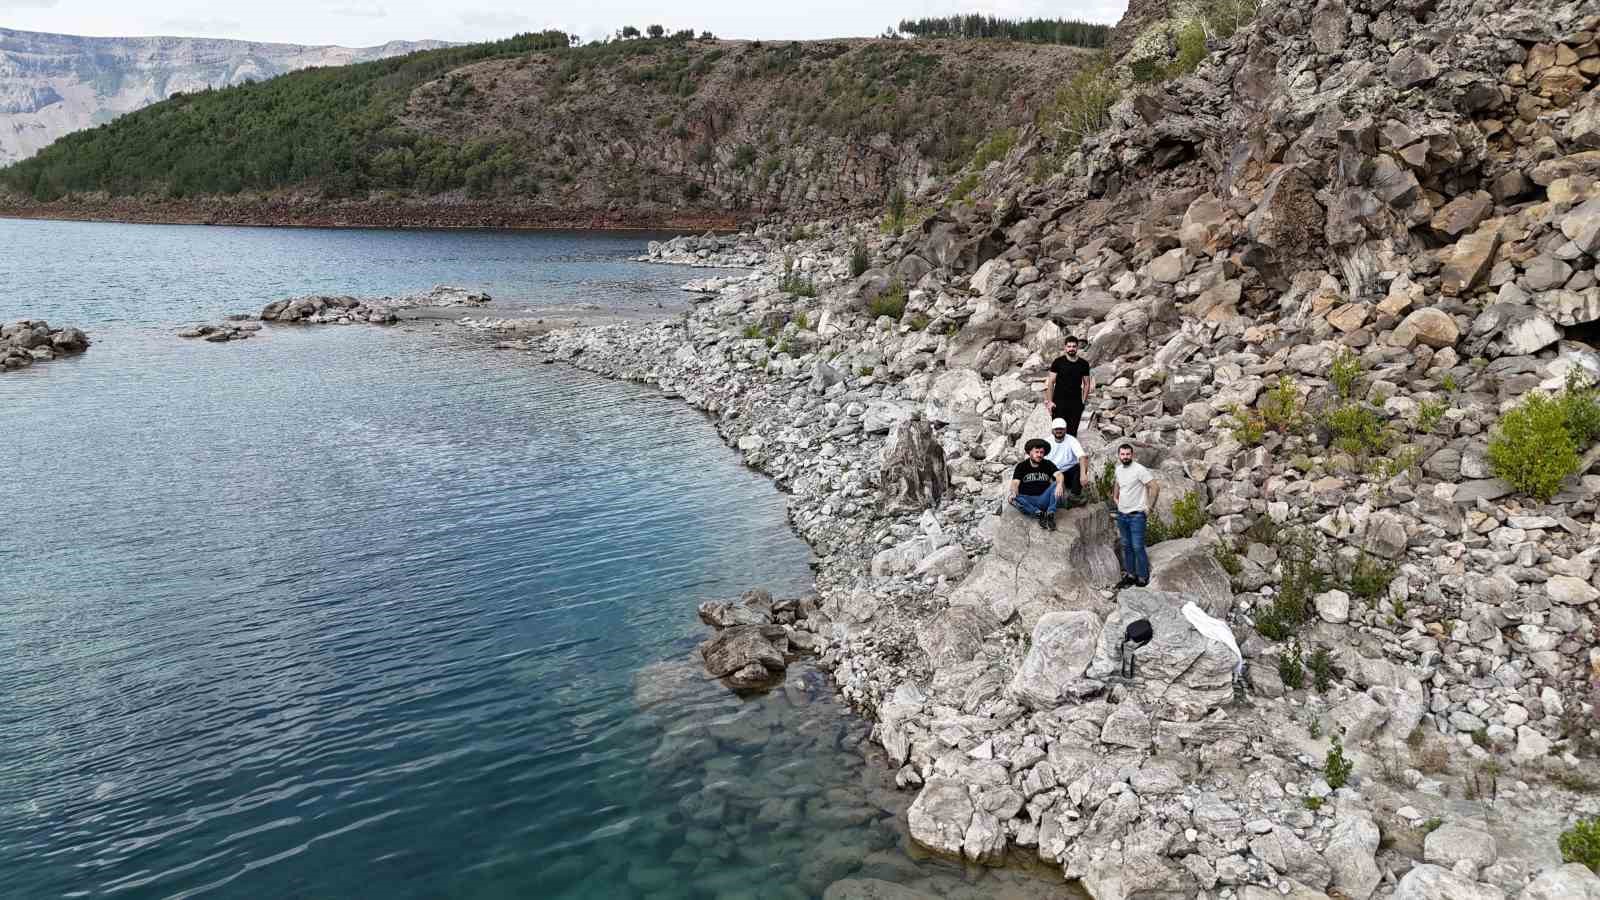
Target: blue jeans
x,y
1038,503
1135,561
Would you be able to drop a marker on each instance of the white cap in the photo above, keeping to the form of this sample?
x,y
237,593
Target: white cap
x,y
1060,424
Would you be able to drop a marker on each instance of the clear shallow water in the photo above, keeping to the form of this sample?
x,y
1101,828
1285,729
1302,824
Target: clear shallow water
x,y
342,612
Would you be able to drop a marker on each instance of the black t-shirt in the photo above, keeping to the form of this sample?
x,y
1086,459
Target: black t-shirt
x,y
1035,479
1070,374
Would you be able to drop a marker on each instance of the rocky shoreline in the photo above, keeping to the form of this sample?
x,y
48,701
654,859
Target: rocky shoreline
x,y
983,649
28,341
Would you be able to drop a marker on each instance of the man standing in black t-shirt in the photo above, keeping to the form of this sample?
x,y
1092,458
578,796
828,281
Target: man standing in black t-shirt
x,y
1036,485
1066,389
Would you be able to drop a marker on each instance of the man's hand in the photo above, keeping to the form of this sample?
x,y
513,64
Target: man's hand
x,y
1049,406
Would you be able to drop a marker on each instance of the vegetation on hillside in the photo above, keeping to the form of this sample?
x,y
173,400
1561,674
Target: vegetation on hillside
x,y
664,119
1038,31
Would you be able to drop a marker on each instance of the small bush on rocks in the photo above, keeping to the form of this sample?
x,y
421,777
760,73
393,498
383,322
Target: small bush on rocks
x,y
1532,449
859,260
1291,668
1228,558
1249,425
1188,517
1357,430
1429,413
1321,667
1370,577
1345,373
891,303
1336,769
1281,408
1082,107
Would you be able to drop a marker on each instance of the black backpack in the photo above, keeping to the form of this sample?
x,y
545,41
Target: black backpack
x,y
1138,634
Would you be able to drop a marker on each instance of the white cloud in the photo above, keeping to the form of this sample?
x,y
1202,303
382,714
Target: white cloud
x,y
492,18
28,4
360,12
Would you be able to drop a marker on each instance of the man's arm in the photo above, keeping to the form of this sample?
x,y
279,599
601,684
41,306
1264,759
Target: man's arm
x,y
1088,385
1049,390
1016,485
1116,491
1155,493
1061,484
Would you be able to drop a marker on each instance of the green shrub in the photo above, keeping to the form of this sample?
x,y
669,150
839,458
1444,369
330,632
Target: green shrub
x,y
1345,373
964,188
1370,577
859,260
1311,803
801,321
1321,667
1532,448
1082,107
1188,517
891,303
1281,407
1301,580
751,332
1291,669
1191,49
793,282
994,149
918,322
1105,481
1581,408
1249,425
1228,559
1449,383
1336,769
895,221
1357,430
1429,412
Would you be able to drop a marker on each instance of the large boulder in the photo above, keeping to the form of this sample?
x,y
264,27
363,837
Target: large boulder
x,y
1572,881
911,472
747,655
945,819
1179,666
1351,854
1451,843
956,395
1430,882
1136,871
1189,567
1029,571
1063,644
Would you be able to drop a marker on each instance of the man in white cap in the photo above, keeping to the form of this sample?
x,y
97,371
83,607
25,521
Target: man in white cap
x,y
1067,455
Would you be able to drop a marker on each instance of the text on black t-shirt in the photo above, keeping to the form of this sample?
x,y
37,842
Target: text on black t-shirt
x,y
1035,479
1070,374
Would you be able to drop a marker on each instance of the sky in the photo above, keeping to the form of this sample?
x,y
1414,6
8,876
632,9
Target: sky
x,y
367,22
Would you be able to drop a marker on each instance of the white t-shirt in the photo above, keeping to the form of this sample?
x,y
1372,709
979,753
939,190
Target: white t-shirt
x,y
1065,453
1131,491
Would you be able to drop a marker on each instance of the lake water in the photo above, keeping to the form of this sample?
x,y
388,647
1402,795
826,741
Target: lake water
x,y
351,612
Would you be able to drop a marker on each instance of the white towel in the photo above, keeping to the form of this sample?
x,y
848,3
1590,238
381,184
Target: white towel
x,y
1214,629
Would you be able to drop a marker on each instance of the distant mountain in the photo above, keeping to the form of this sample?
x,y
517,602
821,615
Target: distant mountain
x,y
55,84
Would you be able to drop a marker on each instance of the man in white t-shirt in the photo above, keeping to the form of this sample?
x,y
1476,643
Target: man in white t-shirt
x,y
1135,493
1068,456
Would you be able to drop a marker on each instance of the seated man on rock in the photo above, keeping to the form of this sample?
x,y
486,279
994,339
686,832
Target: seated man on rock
x,y
1067,455
1036,485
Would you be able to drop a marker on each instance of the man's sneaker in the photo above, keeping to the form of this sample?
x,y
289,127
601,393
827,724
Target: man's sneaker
x,y
1141,582
1050,521
1044,521
1127,581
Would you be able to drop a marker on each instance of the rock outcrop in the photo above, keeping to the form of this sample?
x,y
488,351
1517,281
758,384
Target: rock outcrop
x,y
27,341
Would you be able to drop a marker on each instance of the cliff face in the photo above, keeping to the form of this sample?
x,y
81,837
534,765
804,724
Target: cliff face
x,y
55,84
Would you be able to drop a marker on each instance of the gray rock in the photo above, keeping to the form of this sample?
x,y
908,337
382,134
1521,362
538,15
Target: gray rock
x,y
1333,607
1063,645
1572,881
1179,666
738,646
1029,571
1451,843
1546,273
1127,726
1190,568
1350,854
1430,882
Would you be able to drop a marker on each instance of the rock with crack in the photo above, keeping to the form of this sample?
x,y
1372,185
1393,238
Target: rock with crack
x,y
1030,572
1190,568
1572,881
1052,672
945,819
747,656
1351,854
1135,868
1451,843
1179,666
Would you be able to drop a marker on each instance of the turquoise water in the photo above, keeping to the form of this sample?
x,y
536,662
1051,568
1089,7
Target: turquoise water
x,y
363,612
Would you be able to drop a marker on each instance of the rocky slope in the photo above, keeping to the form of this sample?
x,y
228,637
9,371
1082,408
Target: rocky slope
x,y
55,84
667,131
1313,275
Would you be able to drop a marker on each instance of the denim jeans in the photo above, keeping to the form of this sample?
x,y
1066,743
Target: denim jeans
x,y
1135,561
1038,503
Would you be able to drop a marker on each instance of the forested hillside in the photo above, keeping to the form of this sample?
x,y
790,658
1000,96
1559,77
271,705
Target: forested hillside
x,y
663,123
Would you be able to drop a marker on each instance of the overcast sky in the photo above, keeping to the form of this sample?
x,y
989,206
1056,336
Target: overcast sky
x,y
368,22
